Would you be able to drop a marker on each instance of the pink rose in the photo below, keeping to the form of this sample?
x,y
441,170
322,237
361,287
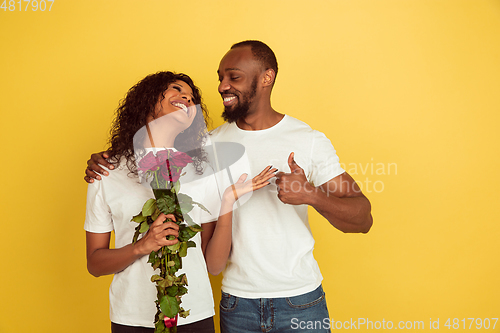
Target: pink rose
x,y
170,322
163,155
164,158
148,162
174,174
180,159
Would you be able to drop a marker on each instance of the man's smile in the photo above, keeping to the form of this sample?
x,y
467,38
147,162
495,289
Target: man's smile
x,y
229,100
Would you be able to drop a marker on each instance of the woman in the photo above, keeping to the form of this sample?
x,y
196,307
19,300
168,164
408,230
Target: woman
x,y
112,202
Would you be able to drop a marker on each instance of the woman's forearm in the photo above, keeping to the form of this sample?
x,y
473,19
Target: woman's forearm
x,y
219,247
101,260
111,261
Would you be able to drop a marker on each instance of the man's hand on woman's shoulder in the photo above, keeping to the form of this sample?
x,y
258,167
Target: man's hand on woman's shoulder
x,y
94,169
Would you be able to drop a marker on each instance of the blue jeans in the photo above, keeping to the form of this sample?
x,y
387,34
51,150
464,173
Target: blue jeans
x,y
303,313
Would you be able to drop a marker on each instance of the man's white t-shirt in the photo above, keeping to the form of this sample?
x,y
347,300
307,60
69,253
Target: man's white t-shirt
x,y
272,245
111,203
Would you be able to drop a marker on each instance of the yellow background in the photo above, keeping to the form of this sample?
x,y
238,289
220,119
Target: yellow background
x,y
406,90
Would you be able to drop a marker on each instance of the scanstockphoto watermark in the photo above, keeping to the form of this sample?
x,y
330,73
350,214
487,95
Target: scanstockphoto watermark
x,y
369,177
371,168
26,5
354,324
365,323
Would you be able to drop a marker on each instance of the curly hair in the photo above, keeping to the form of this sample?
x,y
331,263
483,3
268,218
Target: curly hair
x,y
140,101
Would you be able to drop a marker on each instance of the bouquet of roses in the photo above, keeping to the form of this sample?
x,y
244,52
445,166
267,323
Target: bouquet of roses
x,y
164,169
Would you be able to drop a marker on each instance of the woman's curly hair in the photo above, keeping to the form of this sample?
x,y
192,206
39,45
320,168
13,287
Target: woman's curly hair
x,y
139,103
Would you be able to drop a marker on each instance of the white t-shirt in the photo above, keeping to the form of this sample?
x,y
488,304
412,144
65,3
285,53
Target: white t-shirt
x,y
111,203
272,245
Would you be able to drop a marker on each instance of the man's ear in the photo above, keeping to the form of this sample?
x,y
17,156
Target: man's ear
x,y
269,76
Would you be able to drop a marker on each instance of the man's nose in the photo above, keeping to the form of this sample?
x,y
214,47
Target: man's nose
x,y
223,86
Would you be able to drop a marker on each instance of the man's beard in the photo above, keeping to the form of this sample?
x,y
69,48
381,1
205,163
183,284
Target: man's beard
x,y
240,110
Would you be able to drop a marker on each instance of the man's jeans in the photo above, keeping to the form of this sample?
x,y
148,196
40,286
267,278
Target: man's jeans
x,y
303,313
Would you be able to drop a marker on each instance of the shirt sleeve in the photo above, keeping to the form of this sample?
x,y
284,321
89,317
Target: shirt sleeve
x,y
98,217
325,162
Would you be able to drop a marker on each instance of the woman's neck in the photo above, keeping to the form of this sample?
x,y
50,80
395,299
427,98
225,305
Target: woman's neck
x,y
159,135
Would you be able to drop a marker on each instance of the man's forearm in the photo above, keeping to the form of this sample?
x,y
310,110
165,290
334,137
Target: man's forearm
x,y
348,214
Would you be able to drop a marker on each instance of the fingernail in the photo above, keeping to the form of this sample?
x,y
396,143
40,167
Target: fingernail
x,y
105,173
111,167
98,177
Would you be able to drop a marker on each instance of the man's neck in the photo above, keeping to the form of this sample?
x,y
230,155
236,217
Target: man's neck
x,y
260,119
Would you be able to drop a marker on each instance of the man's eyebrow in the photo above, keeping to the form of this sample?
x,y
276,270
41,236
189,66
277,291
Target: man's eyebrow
x,y
230,69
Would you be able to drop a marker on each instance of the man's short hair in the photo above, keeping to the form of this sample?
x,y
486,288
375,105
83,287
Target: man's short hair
x,y
262,53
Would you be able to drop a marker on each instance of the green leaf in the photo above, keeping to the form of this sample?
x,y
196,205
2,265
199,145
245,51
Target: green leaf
x,y
182,290
183,249
191,244
184,313
166,205
172,291
138,218
156,214
182,280
169,306
201,206
152,257
165,283
178,263
185,202
136,234
174,247
185,233
149,207
156,263
156,277
162,193
195,227
144,227
184,198
177,186
159,326
170,263
178,213
186,207
188,219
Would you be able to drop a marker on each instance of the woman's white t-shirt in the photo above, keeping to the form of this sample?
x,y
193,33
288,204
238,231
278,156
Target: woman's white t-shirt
x,y
111,203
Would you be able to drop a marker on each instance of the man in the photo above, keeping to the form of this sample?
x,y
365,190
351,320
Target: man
x,y
272,282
